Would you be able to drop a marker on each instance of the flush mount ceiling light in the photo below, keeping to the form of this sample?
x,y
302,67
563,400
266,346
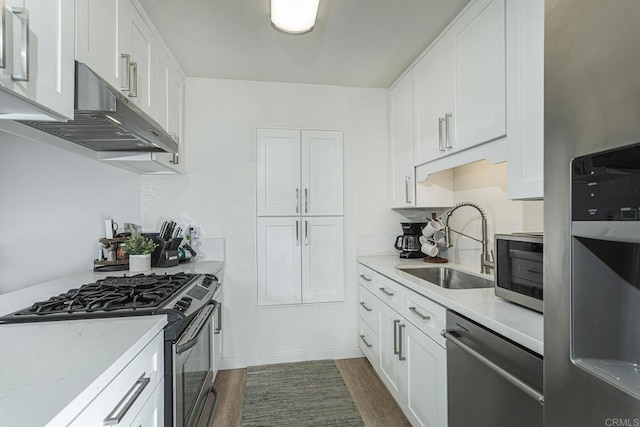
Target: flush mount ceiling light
x,y
294,16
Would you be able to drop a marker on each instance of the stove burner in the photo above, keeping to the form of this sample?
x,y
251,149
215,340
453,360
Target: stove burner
x,y
112,294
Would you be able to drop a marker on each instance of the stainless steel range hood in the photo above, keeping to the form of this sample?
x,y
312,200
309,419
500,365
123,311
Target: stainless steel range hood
x,y
106,121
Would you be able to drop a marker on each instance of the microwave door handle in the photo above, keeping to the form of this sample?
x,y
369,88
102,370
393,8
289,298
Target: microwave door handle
x,y
194,329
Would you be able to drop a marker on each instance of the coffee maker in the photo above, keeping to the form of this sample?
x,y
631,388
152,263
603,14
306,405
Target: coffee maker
x,y
409,243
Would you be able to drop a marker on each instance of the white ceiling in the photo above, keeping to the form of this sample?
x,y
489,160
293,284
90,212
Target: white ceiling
x,y
361,43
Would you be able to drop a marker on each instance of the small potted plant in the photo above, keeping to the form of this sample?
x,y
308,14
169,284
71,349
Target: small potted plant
x,y
139,249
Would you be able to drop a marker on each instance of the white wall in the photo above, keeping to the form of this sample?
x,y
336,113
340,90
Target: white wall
x,y
219,193
53,208
486,184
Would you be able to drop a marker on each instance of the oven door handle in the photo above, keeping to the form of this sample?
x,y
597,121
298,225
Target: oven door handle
x,y
192,334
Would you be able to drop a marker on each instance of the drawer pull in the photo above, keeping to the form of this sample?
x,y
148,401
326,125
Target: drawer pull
x,y
365,306
365,341
127,401
365,277
420,315
386,292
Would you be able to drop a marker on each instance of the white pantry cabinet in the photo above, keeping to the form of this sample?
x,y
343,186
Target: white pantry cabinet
x,y
299,172
460,84
300,260
36,59
411,355
401,138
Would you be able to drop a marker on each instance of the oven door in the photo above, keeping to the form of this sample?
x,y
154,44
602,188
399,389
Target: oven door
x,y
193,370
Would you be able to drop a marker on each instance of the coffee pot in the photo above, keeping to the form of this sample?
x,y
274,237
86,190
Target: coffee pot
x,y
409,243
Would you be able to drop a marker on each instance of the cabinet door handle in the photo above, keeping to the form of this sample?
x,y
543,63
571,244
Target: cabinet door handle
x,y
127,401
23,14
3,36
407,182
297,233
401,355
297,200
365,341
133,76
306,233
126,71
386,292
365,277
306,200
420,315
447,128
364,305
218,328
175,159
440,138
395,336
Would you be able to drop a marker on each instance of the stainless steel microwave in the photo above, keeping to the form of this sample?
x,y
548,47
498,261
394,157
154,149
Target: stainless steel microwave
x,y
518,268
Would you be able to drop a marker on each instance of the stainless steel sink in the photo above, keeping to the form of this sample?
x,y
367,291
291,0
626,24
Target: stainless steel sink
x,y
449,278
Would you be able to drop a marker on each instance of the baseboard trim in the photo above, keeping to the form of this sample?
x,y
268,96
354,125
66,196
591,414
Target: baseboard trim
x,y
288,357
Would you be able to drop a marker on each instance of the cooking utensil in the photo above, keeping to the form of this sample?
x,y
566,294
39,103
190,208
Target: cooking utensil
x,y
163,229
177,233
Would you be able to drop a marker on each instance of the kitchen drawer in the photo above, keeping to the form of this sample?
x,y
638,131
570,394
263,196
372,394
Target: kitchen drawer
x,y
135,384
389,292
368,307
367,277
425,314
368,342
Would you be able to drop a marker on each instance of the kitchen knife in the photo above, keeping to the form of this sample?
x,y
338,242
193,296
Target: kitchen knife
x,y
170,228
163,229
177,233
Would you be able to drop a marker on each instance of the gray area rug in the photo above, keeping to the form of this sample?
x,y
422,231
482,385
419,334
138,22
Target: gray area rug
x,y
301,394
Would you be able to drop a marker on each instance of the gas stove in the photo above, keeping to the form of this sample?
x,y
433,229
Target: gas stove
x,y
177,295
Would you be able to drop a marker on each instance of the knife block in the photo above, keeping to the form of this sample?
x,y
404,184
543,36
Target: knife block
x,y
166,253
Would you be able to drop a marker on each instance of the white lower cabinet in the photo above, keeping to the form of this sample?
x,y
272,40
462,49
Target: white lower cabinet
x,y
131,393
411,359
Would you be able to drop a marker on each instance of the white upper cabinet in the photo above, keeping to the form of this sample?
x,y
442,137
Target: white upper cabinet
x,y
299,172
459,84
433,86
322,173
37,59
97,37
138,41
525,84
401,136
278,157
479,113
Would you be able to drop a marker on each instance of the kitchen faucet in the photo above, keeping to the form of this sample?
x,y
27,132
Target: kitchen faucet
x,y
486,259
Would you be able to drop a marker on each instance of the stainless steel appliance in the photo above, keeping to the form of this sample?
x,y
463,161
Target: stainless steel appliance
x,y
518,268
491,381
105,120
193,308
409,243
590,265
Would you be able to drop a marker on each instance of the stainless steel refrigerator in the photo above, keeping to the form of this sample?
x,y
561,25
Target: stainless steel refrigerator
x,y
591,213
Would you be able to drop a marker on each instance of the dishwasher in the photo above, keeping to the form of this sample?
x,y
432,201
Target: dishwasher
x,y
491,381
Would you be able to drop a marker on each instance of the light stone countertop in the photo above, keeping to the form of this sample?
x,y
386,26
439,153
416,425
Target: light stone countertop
x,y
517,323
49,371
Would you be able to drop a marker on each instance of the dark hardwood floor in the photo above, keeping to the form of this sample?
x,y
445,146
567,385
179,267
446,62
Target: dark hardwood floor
x,y
373,400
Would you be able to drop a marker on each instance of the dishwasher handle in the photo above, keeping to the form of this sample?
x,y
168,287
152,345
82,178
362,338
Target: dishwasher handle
x,y
524,387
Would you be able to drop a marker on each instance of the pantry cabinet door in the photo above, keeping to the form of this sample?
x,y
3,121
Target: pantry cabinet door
x,y
401,135
433,95
480,85
322,259
278,180
279,251
322,172
97,38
